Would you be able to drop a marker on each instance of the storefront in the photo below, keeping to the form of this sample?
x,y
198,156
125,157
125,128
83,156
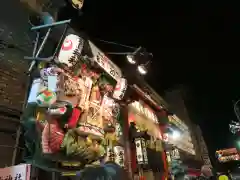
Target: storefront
x,y
179,148
146,138
75,115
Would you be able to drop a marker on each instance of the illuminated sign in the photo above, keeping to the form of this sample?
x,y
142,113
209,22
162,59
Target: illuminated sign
x,y
175,120
145,111
226,152
146,96
229,158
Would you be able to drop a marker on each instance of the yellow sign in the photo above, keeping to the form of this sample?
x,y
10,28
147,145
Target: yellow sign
x,y
70,164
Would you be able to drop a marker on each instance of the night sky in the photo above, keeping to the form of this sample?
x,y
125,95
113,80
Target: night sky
x,y
193,44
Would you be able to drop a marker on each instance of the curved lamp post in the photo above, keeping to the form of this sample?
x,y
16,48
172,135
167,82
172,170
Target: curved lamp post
x,y
236,110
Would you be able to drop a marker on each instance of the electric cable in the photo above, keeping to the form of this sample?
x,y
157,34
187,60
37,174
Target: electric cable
x,y
118,44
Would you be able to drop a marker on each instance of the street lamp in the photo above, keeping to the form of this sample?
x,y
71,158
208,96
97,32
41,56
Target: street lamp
x,y
142,68
176,134
131,59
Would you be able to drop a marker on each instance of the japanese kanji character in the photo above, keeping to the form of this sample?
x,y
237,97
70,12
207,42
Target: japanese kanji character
x,y
9,177
18,177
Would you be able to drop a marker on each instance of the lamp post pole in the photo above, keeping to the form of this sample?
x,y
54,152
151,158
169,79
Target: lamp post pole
x,y
236,111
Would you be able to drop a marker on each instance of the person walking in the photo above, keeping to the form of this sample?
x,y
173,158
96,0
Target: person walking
x,y
206,174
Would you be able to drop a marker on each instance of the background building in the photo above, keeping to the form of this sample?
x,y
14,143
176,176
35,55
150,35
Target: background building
x,y
203,150
14,45
176,100
185,142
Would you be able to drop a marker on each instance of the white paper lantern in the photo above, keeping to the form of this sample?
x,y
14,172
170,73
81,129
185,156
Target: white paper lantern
x,y
71,50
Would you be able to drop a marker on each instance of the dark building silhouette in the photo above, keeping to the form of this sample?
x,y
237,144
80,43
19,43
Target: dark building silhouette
x,y
14,45
176,100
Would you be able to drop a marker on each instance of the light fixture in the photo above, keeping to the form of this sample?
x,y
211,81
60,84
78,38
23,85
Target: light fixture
x,y
131,59
176,134
142,69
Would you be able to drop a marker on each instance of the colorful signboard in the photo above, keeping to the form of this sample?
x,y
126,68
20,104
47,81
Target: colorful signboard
x,y
226,155
175,120
229,158
145,111
104,62
226,152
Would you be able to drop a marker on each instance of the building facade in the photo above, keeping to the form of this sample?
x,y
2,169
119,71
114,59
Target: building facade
x,y
180,145
203,150
14,45
176,99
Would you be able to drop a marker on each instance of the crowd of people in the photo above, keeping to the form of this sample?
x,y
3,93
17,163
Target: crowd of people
x,y
206,174
111,170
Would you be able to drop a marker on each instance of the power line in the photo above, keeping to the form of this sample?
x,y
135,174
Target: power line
x,y
118,44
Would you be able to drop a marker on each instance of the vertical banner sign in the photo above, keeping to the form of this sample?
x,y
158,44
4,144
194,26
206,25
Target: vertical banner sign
x,y
119,155
141,151
105,63
18,172
120,89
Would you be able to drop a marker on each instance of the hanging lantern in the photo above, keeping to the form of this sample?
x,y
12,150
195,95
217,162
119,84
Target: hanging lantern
x,y
141,151
175,154
110,154
119,155
118,130
71,50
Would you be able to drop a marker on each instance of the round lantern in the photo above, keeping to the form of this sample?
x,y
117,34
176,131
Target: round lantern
x,y
71,50
46,98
